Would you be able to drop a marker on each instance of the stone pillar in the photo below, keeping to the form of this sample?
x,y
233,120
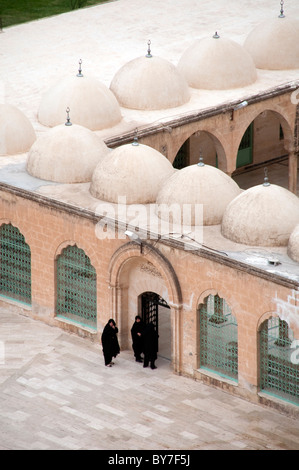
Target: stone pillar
x,y
293,165
176,339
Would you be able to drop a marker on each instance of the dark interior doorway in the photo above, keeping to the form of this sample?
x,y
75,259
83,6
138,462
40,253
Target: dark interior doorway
x,y
156,310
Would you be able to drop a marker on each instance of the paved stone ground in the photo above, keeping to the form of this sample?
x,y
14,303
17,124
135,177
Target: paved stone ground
x,y
56,393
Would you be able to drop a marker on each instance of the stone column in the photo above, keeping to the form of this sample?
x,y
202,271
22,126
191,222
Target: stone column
x,y
293,165
176,339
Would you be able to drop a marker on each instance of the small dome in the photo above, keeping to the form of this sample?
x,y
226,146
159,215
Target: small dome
x,y
16,131
198,187
150,83
293,245
216,63
274,44
133,171
263,215
66,154
92,104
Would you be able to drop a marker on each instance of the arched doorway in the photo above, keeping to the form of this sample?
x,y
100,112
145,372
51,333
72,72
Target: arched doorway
x,y
201,143
130,275
265,142
153,308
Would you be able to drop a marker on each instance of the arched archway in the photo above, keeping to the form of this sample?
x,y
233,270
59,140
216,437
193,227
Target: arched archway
x,y
131,274
266,141
201,143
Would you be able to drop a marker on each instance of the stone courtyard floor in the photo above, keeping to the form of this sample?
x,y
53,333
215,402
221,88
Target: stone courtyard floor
x,y
56,394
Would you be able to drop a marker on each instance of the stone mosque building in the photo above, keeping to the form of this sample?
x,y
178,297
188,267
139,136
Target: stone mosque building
x,y
161,183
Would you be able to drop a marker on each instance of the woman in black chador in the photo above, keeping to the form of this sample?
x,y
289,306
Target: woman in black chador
x,y
110,342
150,345
137,338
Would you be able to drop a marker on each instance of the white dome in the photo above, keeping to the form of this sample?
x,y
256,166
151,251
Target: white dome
x,y
198,187
293,245
274,44
150,83
66,154
91,104
134,171
16,131
216,63
263,215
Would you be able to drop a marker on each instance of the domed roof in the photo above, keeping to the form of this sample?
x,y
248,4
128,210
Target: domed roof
x,y
134,171
16,131
274,44
198,187
92,104
293,245
263,215
150,83
66,154
216,63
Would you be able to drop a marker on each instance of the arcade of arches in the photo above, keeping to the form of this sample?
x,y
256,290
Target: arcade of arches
x,y
259,135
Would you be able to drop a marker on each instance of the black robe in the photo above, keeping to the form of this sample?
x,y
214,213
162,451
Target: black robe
x,y
150,344
110,343
137,341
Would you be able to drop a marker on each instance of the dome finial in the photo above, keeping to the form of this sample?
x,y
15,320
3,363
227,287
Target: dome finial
x,y
282,15
266,179
79,74
216,35
135,142
149,49
200,163
68,121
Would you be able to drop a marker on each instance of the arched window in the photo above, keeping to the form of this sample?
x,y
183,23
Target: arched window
x,y
279,373
15,265
76,288
218,338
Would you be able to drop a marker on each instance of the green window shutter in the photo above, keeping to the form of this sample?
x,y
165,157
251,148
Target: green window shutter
x,y
15,269
76,288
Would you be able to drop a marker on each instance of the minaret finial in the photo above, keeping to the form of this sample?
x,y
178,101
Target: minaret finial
x,y
68,121
149,54
266,179
135,142
200,163
79,74
282,15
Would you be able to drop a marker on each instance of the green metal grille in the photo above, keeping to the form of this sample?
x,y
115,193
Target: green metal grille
x,y
278,375
76,287
218,338
15,269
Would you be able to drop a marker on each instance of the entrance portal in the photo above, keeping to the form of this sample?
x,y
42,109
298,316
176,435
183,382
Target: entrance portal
x,y
154,309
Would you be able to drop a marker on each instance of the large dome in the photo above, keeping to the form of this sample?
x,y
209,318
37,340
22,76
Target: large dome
x,y
92,104
195,188
134,171
263,215
66,154
216,63
150,83
293,245
16,131
274,44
